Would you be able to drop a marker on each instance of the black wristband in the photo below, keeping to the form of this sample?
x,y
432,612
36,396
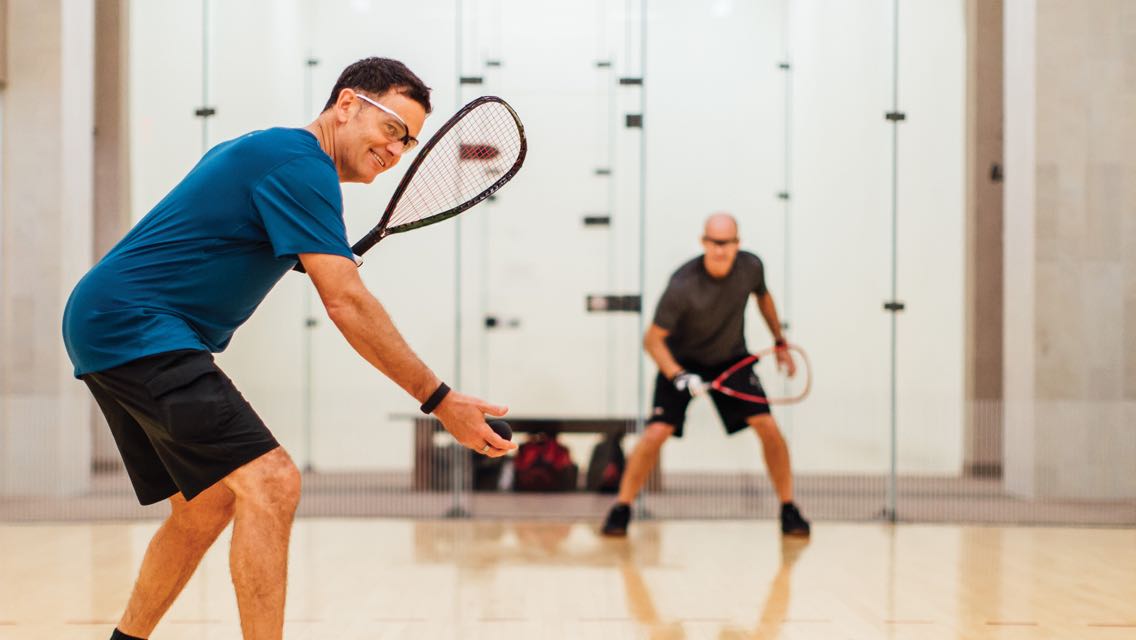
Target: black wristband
x,y
435,399
780,342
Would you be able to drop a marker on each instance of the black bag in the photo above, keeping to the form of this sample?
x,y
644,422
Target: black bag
x,y
607,464
479,472
487,473
544,464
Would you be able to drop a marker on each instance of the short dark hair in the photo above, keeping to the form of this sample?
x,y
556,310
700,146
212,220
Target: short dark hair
x,y
378,76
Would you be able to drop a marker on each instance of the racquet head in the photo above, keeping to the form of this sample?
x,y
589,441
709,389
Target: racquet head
x,y
779,386
470,157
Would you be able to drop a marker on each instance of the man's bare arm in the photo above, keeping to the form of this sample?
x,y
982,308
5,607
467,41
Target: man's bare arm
x,y
363,321
370,331
654,343
768,311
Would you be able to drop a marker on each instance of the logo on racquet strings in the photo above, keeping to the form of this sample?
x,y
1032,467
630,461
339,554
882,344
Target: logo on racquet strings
x,y
478,151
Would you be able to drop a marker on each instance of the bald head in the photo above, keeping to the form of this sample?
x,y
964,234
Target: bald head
x,y
721,225
720,240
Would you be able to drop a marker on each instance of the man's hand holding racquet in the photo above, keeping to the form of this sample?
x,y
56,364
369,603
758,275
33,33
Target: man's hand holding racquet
x,y
689,382
785,358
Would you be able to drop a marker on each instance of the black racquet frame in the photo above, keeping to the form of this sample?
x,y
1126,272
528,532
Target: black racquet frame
x,y
381,230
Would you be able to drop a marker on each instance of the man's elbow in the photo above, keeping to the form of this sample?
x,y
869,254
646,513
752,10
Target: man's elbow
x,y
341,306
651,340
337,313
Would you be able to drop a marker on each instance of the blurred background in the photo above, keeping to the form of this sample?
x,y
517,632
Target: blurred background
x,y
942,192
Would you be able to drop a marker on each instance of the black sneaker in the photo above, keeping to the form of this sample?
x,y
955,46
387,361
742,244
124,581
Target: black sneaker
x,y
792,524
617,520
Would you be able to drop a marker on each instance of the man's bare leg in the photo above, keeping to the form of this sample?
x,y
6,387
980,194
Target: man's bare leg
x,y
173,555
642,460
267,491
776,455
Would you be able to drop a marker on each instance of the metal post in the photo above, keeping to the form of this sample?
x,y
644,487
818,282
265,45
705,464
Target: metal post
x,y
895,117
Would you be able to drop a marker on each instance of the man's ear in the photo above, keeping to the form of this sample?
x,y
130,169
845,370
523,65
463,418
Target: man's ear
x,y
343,104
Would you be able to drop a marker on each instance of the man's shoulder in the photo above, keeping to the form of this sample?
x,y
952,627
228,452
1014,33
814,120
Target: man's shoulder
x,y
283,138
749,265
290,152
276,147
689,270
750,272
747,257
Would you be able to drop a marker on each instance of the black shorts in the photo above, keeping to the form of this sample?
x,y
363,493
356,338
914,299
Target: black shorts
x,y
179,423
670,403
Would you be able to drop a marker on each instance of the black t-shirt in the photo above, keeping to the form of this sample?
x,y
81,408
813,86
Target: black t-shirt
x,y
705,315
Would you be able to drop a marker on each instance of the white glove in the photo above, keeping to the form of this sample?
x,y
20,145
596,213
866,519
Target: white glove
x,y
690,382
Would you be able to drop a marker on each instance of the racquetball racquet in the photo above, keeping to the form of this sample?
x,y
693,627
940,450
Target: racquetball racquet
x,y
477,151
794,389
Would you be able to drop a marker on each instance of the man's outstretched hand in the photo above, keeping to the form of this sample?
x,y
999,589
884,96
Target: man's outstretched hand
x,y
464,417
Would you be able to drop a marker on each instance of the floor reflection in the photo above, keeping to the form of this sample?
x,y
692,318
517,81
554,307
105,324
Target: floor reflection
x,y
484,548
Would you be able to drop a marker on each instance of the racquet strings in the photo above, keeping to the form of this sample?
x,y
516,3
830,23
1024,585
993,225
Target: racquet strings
x,y
466,161
779,387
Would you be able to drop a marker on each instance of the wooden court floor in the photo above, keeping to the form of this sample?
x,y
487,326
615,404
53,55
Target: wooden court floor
x,y
500,580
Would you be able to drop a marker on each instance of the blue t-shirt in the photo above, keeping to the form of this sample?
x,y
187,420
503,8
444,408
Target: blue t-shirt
x,y
201,261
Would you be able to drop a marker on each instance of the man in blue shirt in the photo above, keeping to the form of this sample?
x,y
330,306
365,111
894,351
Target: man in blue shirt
x,y
142,325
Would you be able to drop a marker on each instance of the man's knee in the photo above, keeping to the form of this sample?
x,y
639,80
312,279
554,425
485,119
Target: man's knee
x,y
765,426
271,481
657,433
208,513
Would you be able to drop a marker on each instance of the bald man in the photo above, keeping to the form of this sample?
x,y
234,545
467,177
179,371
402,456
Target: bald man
x,y
697,333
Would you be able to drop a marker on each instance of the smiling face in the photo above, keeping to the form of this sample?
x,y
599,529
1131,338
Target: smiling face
x,y
373,131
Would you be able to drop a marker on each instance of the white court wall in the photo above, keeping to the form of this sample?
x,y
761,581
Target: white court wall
x,y
256,78
836,270
715,141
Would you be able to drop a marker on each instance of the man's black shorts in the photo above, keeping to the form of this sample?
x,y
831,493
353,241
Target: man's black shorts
x,y
179,423
670,403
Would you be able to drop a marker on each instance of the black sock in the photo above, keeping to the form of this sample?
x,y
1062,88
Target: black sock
x,y
118,635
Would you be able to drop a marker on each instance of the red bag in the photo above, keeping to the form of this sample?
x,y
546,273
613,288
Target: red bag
x,y
544,464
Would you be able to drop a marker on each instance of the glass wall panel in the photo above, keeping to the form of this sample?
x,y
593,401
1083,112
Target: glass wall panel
x,y
564,232
930,256
642,119
829,247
